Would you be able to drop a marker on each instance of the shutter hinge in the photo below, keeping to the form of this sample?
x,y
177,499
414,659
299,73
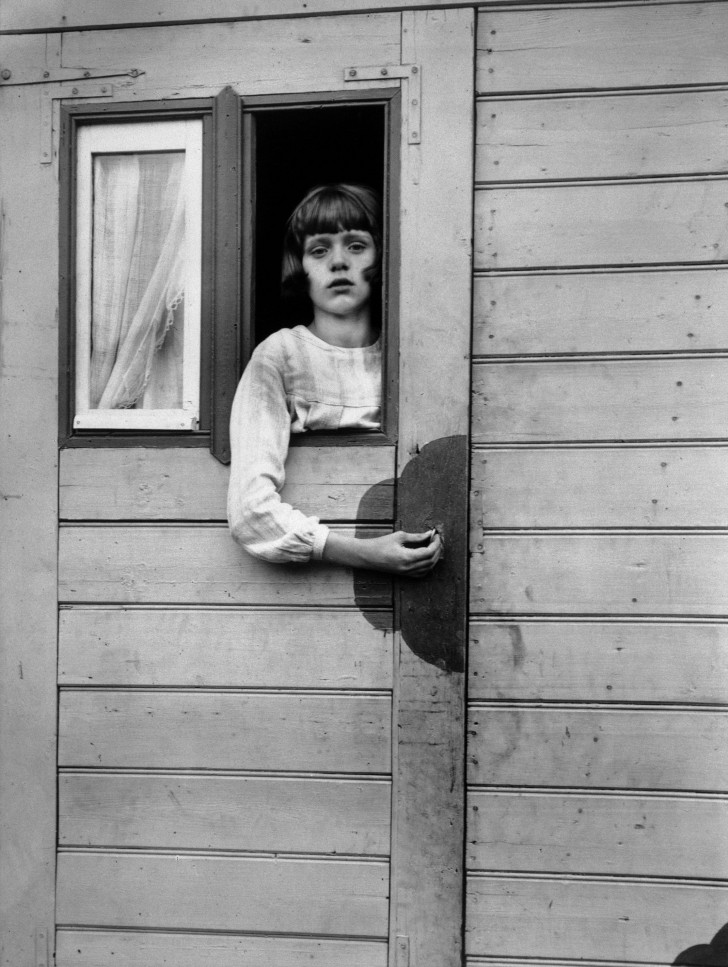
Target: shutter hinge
x,y
402,953
21,75
412,73
41,948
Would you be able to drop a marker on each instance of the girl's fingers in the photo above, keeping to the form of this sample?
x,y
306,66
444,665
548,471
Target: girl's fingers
x,y
416,538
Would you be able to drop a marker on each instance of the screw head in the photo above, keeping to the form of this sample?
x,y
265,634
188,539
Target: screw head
x,y
352,73
384,72
6,74
87,73
46,73
74,90
415,70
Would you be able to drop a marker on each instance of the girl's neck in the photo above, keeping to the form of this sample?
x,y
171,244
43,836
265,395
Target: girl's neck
x,y
351,332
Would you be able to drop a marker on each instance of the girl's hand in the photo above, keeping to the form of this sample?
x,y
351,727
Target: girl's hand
x,y
410,555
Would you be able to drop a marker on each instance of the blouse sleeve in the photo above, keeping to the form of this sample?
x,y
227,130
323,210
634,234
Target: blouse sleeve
x,y
260,427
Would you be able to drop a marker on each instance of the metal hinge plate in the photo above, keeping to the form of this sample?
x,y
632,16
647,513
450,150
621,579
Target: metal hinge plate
x,y
20,75
412,73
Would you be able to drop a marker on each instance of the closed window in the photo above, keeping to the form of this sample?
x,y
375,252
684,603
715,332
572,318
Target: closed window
x,y
138,276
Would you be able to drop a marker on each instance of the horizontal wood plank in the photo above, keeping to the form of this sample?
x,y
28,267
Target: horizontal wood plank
x,y
224,812
189,484
598,748
632,223
198,565
601,137
665,574
224,730
600,312
620,399
75,14
609,487
642,921
599,661
601,47
285,649
617,835
319,897
113,948
254,57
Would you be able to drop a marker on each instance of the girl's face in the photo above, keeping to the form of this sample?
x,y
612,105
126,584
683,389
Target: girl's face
x,y
337,266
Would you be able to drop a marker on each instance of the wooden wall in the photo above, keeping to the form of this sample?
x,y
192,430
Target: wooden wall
x,y
597,809
224,725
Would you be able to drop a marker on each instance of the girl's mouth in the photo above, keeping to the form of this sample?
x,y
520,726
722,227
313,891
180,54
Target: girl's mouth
x,y
340,283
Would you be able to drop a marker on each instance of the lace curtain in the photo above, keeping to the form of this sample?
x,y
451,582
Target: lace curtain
x,y
138,281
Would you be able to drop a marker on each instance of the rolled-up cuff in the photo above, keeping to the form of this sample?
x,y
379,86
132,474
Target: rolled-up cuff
x,y
321,532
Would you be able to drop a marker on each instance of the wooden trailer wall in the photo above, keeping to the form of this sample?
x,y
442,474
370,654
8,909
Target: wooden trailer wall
x,y
597,826
597,817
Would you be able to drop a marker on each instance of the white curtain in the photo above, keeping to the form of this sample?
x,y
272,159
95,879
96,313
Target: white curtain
x,y
138,281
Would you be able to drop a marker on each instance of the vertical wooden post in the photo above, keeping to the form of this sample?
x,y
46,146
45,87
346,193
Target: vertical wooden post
x,y
28,515
435,312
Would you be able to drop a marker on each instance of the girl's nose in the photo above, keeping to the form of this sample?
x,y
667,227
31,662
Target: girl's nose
x,y
338,257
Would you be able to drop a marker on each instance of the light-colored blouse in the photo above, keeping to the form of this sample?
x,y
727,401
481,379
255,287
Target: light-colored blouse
x,y
294,382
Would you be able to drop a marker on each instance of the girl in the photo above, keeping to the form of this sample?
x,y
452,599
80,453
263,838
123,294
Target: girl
x,y
324,376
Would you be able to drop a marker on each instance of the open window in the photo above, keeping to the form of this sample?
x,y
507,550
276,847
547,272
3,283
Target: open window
x,y
171,242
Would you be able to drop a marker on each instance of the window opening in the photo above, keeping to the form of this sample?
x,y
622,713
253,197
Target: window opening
x,y
297,148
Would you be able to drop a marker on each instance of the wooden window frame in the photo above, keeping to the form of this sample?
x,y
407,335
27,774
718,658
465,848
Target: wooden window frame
x,y
228,204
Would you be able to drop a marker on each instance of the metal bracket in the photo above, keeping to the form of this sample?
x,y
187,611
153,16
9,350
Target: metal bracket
x,y
402,952
41,948
62,92
412,73
22,75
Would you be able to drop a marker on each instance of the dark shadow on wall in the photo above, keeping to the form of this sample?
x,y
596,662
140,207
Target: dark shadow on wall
x,y
713,954
430,612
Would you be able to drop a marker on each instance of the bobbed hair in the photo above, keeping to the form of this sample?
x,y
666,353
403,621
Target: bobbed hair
x,y
328,208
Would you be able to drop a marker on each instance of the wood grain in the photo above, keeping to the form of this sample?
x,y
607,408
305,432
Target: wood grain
x,y
598,748
189,484
280,56
197,565
319,897
28,517
74,14
617,835
667,133
665,574
618,399
631,223
599,487
224,730
284,649
618,46
224,812
599,661
113,948
434,316
642,921
585,312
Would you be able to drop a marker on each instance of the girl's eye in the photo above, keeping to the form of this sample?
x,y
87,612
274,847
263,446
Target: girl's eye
x,y
318,251
357,247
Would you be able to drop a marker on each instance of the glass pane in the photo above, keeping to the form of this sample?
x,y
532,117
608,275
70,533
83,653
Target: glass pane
x,y
138,271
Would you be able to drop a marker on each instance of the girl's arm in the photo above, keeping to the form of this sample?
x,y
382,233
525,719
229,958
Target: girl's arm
x,y
260,425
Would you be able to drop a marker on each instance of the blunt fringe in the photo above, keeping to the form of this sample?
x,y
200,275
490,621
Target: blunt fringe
x,y
328,208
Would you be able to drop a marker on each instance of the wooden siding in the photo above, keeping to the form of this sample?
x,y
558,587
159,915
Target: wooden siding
x,y
579,312
89,948
255,649
154,484
597,700
276,814
250,894
196,565
150,729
